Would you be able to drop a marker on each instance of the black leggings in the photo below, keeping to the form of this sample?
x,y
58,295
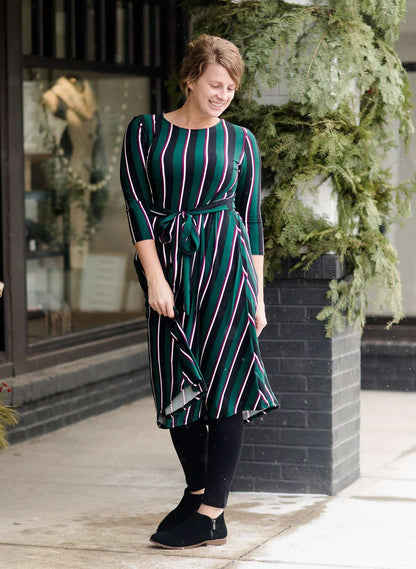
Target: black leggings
x,y
209,455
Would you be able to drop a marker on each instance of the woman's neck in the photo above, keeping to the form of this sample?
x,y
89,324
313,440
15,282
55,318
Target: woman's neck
x,y
186,117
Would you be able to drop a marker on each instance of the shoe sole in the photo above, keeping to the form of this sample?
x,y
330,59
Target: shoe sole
x,y
208,542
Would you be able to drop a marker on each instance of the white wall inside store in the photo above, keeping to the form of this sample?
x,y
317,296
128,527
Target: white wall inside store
x,y
119,100
404,166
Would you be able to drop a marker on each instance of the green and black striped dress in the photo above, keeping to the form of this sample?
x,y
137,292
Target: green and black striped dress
x,y
197,194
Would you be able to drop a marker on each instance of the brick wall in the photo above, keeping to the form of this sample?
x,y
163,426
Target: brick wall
x,y
389,365
58,396
312,443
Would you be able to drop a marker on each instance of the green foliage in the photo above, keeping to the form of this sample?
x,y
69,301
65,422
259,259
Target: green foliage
x,y
346,88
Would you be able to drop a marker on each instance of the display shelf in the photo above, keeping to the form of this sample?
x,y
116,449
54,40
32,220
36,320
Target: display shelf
x,y
44,254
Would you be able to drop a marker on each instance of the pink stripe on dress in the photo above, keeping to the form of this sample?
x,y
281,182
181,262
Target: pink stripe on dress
x,y
243,335
243,386
162,166
224,172
227,332
214,257
247,212
224,285
204,173
184,157
148,223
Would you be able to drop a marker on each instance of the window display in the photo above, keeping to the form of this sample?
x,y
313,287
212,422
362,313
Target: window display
x,y
79,255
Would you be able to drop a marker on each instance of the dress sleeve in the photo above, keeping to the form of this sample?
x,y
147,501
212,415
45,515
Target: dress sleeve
x,y
134,181
248,196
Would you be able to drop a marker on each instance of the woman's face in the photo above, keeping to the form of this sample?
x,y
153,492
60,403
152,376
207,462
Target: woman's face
x,y
212,92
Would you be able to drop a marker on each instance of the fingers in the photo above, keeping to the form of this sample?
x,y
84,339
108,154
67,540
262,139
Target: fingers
x,y
261,320
163,308
161,300
260,325
168,311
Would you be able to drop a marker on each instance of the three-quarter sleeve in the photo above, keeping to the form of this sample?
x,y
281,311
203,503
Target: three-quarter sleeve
x,y
134,181
248,193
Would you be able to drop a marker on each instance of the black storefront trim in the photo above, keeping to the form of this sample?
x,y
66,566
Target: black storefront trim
x,y
12,160
93,66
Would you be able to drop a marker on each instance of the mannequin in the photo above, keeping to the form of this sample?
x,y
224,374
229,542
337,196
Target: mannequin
x,y
72,99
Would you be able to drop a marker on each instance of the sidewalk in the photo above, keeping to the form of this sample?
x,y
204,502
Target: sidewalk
x,y
89,496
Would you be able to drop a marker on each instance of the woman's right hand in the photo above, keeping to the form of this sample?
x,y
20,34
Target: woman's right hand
x,y
160,297
159,293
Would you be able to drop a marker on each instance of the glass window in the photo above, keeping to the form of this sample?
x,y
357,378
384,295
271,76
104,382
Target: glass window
x,y
404,167
79,253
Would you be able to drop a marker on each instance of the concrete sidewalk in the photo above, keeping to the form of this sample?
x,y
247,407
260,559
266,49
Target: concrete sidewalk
x,y
89,496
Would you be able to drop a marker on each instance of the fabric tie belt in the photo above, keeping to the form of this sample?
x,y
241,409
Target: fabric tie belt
x,y
181,224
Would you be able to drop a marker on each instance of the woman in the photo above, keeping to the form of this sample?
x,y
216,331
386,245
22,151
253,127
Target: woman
x,y
192,187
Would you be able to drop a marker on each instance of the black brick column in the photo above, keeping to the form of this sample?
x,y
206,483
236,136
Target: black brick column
x,y
311,444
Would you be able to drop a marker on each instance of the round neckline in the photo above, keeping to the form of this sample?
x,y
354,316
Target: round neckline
x,y
191,129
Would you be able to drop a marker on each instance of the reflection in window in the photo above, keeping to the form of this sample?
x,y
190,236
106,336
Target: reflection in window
x,y
79,269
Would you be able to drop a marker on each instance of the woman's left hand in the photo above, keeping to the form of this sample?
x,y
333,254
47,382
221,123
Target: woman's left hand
x,y
261,320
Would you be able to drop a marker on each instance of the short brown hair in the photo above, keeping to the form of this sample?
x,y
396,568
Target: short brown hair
x,y
207,49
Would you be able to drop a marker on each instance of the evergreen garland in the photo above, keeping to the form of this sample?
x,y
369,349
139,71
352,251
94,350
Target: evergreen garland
x,y
346,88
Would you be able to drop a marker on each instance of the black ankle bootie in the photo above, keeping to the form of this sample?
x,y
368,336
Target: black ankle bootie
x,y
189,504
196,530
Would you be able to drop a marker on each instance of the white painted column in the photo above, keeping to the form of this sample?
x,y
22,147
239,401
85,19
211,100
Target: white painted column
x,y
323,202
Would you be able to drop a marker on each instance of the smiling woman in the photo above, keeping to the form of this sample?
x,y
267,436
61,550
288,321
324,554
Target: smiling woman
x,y
191,181
208,97
209,77
210,49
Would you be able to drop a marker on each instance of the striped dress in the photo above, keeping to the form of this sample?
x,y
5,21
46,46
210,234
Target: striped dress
x,y
197,194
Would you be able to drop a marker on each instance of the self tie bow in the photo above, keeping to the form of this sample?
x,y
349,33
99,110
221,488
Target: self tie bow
x,y
181,226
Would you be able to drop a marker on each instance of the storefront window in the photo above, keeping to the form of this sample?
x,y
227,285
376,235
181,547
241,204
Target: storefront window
x,y
404,168
403,164
79,253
